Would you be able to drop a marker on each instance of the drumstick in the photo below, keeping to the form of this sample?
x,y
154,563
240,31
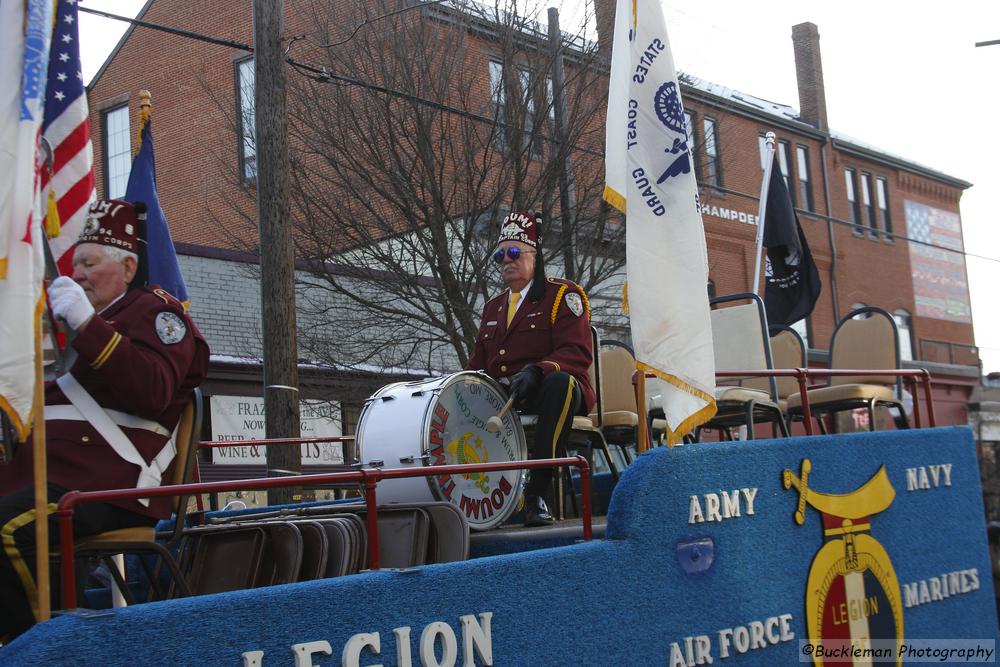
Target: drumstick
x,y
493,423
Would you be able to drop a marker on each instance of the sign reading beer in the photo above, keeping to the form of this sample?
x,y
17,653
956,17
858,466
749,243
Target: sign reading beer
x,y
238,418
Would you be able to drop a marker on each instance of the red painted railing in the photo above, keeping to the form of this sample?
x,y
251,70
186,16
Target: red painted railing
x,y
367,478
912,377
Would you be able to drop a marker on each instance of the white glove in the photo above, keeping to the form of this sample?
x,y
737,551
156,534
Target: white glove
x,y
69,302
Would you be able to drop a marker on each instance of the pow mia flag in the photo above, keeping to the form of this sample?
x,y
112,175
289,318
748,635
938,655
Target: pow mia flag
x,y
792,281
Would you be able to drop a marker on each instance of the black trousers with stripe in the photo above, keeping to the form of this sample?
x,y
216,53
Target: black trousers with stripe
x,y
18,592
556,401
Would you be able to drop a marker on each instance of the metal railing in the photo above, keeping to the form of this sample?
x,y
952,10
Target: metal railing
x,y
959,354
369,479
912,377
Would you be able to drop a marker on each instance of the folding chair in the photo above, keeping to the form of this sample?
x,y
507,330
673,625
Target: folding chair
x,y
741,342
617,416
788,350
863,343
144,539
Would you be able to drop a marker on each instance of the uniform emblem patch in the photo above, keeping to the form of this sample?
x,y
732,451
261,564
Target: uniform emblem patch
x,y
170,328
574,303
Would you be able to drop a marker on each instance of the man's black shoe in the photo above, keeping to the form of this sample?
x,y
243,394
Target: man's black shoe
x,y
536,513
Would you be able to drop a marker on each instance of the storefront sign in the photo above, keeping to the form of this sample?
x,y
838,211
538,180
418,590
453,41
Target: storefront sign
x,y
239,418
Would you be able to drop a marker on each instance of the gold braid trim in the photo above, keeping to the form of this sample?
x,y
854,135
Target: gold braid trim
x,y
586,301
555,304
559,296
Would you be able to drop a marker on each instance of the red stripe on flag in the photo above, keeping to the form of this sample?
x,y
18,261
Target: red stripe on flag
x,y
75,142
76,197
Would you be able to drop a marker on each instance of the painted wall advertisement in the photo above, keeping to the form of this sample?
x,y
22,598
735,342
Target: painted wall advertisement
x,y
237,418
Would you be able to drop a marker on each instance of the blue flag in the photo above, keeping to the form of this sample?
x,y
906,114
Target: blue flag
x,y
161,257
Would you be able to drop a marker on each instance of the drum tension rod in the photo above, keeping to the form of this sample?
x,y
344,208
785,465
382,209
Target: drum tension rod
x,y
410,459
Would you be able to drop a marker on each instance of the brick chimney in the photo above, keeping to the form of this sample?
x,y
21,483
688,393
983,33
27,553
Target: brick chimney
x,y
809,74
604,11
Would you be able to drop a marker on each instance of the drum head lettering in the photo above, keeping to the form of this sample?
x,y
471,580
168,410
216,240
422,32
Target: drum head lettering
x,y
456,434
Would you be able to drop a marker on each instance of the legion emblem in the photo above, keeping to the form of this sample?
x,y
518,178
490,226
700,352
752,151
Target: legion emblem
x,y
852,593
170,328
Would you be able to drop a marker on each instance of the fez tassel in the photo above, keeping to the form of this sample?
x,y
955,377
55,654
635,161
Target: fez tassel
x,y
649,174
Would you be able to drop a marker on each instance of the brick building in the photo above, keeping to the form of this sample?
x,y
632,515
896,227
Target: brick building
x,y
884,231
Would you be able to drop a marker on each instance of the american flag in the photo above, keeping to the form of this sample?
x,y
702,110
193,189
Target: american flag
x,y
66,129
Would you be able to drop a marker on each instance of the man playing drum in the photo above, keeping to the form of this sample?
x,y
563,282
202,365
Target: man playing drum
x,y
108,419
535,338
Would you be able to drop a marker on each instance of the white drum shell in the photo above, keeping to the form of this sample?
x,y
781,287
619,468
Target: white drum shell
x,y
395,431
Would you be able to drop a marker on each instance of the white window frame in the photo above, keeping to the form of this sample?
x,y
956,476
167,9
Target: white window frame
x,y
117,151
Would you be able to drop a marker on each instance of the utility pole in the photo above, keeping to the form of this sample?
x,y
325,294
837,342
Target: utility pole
x,y
565,168
277,255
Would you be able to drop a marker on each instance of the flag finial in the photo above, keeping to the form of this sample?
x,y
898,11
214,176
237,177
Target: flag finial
x,y
145,109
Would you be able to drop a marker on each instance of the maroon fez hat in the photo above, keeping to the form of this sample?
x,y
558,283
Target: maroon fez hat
x,y
520,226
112,222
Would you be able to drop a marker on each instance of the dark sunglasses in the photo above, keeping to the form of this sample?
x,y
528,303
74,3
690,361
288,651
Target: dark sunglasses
x,y
513,252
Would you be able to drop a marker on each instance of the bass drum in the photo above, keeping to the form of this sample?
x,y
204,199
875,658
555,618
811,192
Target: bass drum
x,y
442,421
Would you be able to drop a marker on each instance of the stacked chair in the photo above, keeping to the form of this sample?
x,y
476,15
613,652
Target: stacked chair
x,y
251,549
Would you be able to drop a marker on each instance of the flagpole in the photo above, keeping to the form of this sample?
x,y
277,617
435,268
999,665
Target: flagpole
x,y
41,481
762,206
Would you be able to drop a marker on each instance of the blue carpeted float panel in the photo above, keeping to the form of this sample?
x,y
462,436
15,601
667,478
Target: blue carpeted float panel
x,y
704,559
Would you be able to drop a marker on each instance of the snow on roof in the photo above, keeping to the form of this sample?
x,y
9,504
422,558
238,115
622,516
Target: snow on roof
x,y
363,368
745,99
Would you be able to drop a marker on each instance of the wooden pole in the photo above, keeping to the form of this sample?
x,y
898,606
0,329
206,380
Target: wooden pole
x,y
566,194
41,482
277,256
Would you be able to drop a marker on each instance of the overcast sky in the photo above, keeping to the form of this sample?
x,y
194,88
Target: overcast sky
x,y
903,76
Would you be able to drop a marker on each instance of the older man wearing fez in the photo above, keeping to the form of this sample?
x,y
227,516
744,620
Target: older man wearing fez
x,y
109,419
535,337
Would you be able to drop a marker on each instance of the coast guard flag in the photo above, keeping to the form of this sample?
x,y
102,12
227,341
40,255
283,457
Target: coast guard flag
x,y
68,186
25,35
160,255
792,282
649,176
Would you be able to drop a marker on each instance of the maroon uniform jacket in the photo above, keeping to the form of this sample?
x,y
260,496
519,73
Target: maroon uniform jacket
x,y
133,358
548,333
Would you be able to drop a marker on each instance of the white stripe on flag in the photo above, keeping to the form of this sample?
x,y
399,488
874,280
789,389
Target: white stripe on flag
x,y
22,97
854,589
649,175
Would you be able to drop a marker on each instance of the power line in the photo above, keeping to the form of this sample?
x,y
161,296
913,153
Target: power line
x,y
324,75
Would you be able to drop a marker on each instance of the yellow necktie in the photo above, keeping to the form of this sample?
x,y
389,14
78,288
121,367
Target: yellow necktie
x,y
512,305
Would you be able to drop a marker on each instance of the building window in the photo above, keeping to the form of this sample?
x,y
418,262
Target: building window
x,y
505,116
802,328
692,142
117,151
713,170
245,109
850,178
882,196
805,184
786,173
868,201
904,324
